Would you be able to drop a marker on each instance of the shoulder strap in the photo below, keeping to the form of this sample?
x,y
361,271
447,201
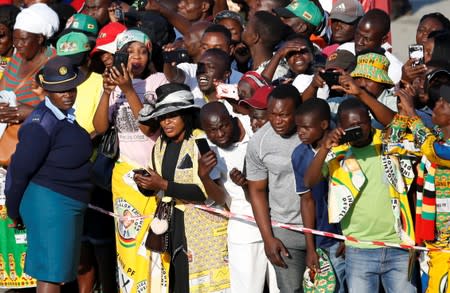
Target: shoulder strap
x,y
42,116
31,73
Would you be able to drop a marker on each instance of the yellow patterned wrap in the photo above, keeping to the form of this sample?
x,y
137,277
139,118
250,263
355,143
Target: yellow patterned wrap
x,y
206,233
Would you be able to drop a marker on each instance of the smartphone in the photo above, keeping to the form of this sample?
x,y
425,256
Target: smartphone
x,y
229,91
142,172
119,58
177,56
351,134
118,13
416,53
202,145
330,77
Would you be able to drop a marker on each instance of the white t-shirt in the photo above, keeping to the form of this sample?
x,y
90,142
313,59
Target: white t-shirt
x,y
134,146
395,66
234,157
302,81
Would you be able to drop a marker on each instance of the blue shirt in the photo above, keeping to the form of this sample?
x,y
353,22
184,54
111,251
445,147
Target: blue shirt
x,y
302,157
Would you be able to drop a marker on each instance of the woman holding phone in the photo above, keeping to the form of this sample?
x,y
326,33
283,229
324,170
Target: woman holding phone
x,y
180,174
128,86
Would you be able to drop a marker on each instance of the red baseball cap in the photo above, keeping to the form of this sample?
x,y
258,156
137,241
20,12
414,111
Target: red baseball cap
x,y
259,98
106,40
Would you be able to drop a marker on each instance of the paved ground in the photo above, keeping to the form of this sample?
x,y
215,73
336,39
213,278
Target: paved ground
x,y
404,28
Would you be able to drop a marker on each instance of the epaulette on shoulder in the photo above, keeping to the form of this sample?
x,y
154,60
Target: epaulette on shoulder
x,y
44,117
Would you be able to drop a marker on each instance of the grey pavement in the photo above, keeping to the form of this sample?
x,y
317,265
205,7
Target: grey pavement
x,y
403,29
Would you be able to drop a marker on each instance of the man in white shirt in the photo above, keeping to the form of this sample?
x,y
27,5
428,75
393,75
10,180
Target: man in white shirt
x,y
247,260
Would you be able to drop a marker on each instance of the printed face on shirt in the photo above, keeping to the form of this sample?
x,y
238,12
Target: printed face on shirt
x,y
281,113
6,40
63,101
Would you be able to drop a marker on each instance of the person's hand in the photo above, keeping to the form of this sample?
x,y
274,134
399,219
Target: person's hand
x,y
117,5
238,177
172,47
206,163
410,72
406,96
290,46
123,81
318,81
9,114
312,260
348,85
37,90
333,137
152,182
274,248
341,250
108,85
241,53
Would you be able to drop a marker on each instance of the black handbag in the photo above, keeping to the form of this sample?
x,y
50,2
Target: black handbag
x,y
159,232
107,154
109,145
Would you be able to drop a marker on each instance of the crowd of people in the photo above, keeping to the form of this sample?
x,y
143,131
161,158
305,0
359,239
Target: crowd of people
x,y
129,129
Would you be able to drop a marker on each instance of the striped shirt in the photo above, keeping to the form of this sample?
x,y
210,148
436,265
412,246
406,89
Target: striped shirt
x,y
24,94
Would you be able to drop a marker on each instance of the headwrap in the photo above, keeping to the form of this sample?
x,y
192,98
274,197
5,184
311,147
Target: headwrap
x,y
38,19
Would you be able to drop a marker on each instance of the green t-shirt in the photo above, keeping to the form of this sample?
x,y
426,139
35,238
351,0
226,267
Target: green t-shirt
x,y
370,217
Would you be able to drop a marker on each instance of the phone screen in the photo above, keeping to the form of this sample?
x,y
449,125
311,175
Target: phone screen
x,y
416,53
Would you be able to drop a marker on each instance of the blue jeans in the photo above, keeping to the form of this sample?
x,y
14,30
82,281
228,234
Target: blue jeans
x,y
365,267
338,264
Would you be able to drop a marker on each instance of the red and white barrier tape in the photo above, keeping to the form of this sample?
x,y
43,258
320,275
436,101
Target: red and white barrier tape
x,y
297,228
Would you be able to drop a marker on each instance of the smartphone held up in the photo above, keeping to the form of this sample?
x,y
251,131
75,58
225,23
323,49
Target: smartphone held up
x,y
415,52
